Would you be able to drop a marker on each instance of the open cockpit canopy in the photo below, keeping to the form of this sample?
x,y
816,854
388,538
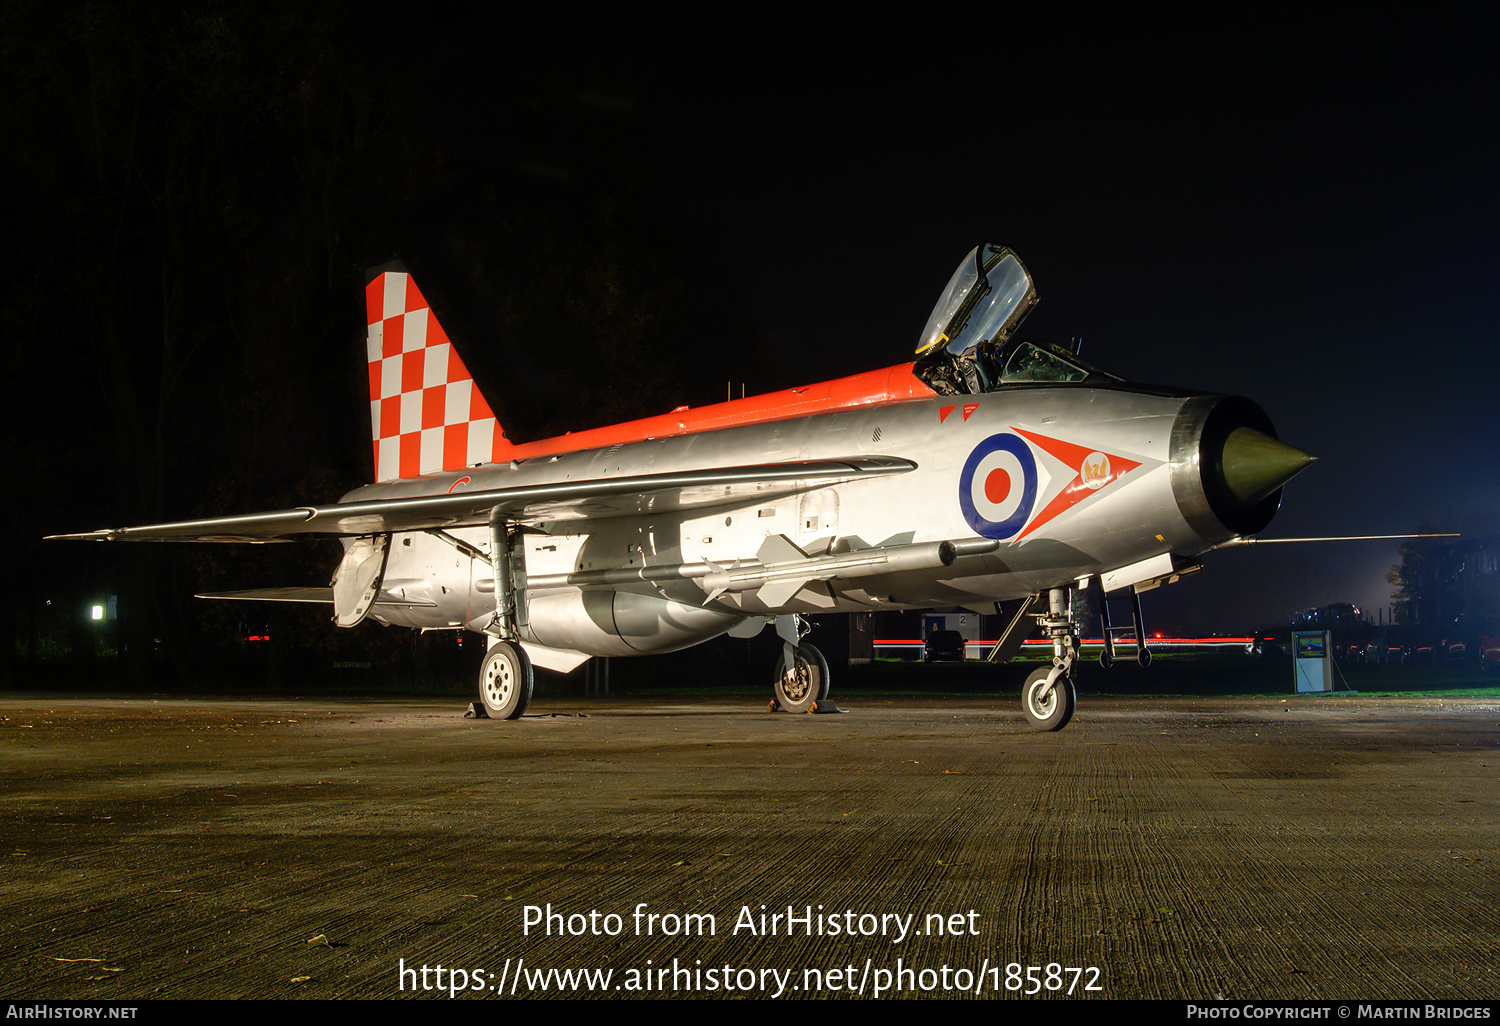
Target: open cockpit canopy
x,y
968,346
989,294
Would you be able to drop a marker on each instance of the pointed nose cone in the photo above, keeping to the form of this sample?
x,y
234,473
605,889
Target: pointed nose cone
x,y
1255,465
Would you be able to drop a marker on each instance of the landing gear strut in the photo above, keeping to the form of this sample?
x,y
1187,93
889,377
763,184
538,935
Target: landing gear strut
x,y
505,679
1050,696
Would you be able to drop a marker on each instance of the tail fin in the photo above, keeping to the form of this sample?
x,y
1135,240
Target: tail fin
x,y
426,413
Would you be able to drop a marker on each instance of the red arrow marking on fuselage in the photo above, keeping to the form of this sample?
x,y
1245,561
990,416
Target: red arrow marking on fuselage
x,y
1077,490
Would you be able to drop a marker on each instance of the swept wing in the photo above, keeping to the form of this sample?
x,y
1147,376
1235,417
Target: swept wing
x,y
564,500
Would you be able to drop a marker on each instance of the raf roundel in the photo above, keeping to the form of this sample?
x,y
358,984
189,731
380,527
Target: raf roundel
x,y
998,486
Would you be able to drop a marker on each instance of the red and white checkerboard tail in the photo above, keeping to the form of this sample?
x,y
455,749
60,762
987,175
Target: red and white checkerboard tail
x,y
426,413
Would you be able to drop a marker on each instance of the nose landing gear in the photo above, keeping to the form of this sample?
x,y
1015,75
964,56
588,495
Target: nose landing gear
x,y
1050,697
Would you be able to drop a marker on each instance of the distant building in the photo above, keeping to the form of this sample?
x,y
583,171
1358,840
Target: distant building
x,y
1338,614
1455,586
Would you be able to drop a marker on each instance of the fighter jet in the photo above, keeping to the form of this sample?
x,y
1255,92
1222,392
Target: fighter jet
x,y
992,473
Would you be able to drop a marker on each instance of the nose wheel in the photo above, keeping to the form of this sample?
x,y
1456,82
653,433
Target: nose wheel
x,y
1049,699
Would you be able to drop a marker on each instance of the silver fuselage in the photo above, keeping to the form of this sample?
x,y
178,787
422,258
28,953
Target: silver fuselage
x,y
1163,506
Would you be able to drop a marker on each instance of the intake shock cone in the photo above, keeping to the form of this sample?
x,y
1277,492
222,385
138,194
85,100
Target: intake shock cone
x,y
1228,467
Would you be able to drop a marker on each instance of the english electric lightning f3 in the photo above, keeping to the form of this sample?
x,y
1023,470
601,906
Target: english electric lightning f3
x,y
992,470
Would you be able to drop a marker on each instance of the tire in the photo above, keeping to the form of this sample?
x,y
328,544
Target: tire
x,y
1056,711
800,690
505,681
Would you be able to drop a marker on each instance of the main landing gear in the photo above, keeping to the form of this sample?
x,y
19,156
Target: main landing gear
x,y
505,681
800,686
505,678
801,680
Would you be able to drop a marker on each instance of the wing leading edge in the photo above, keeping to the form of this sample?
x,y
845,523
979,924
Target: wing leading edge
x,y
566,500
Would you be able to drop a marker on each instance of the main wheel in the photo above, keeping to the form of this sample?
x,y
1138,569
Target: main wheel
x,y
505,681
799,688
1048,711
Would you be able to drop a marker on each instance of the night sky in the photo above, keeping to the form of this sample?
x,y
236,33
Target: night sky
x,y
1301,211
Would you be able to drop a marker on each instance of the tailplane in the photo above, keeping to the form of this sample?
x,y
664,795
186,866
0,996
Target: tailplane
x,y
426,413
